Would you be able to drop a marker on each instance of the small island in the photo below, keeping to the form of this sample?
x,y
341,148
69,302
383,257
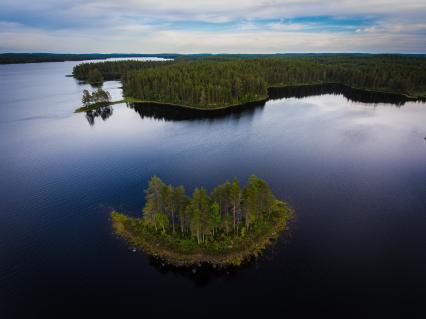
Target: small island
x,y
94,100
228,227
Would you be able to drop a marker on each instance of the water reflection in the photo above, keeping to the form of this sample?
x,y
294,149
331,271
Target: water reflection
x,y
351,94
103,112
354,173
201,275
174,113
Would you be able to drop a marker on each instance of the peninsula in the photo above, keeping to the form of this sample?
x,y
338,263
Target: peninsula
x,y
225,228
209,83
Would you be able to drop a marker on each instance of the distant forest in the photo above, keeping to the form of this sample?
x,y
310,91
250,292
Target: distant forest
x,y
11,58
220,81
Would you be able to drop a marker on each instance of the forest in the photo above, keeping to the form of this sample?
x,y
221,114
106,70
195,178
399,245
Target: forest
x,y
199,84
9,58
208,84
230,223
97,72
225,80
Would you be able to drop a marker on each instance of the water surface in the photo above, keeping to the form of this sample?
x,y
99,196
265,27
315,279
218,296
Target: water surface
x,y
354,171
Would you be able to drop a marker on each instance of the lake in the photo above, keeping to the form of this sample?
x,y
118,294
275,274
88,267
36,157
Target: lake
x,y
353,168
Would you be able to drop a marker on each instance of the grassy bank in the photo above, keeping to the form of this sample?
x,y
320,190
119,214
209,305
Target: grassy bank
x,y
95,106
139,101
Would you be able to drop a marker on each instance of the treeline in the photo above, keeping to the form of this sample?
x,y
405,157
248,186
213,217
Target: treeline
x,y
97,72
198,84
206,83
229,210
405,76
8,58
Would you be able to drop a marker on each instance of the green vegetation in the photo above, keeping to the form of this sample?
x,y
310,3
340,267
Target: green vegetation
x,y
8,58
211,82
208,84
93,100
226,227
204,84
96,105
95,73
95,77
99,96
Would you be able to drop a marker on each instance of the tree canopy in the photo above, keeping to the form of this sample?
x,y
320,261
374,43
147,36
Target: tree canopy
x,y
97,72
98,97
221,81
225,226
212,84
227,210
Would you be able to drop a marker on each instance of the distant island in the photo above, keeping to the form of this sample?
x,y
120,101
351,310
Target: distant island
x,y
208,83
225,228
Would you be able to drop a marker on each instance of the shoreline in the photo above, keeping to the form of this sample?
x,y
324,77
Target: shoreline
x,y
264,99
130,229
95,106
389,93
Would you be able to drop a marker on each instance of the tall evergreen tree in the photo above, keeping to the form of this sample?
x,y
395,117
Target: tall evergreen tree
x,y
153,201
229,211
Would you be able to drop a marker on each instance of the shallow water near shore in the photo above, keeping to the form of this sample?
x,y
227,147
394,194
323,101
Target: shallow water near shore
x,y
355,173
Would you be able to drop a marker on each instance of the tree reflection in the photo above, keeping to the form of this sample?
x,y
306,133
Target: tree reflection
x,y
103,112
200,275
351,94
167,112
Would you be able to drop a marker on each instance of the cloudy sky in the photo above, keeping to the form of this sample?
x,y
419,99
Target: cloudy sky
x,y
216,26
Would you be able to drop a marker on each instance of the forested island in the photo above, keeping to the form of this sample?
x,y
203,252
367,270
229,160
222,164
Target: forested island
x,y
227,227
220,82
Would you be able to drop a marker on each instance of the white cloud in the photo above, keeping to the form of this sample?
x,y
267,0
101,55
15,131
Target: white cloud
x,y
171,26
195,41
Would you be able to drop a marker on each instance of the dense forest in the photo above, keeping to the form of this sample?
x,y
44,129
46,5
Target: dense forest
x,y
199,84
9,58
233,219
213,84
224,80
207,217
96,73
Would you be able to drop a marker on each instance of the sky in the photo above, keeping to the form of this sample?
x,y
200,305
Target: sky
x,y
213,26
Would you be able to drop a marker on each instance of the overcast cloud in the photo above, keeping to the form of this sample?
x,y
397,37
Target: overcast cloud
x,y
216,26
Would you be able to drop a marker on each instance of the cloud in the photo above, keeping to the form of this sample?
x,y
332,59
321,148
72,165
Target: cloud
x,y
213,26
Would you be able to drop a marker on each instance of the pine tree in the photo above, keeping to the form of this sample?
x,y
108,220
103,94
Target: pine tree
x,y
152,196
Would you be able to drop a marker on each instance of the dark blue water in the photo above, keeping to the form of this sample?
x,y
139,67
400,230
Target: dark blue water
x,y
355,173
